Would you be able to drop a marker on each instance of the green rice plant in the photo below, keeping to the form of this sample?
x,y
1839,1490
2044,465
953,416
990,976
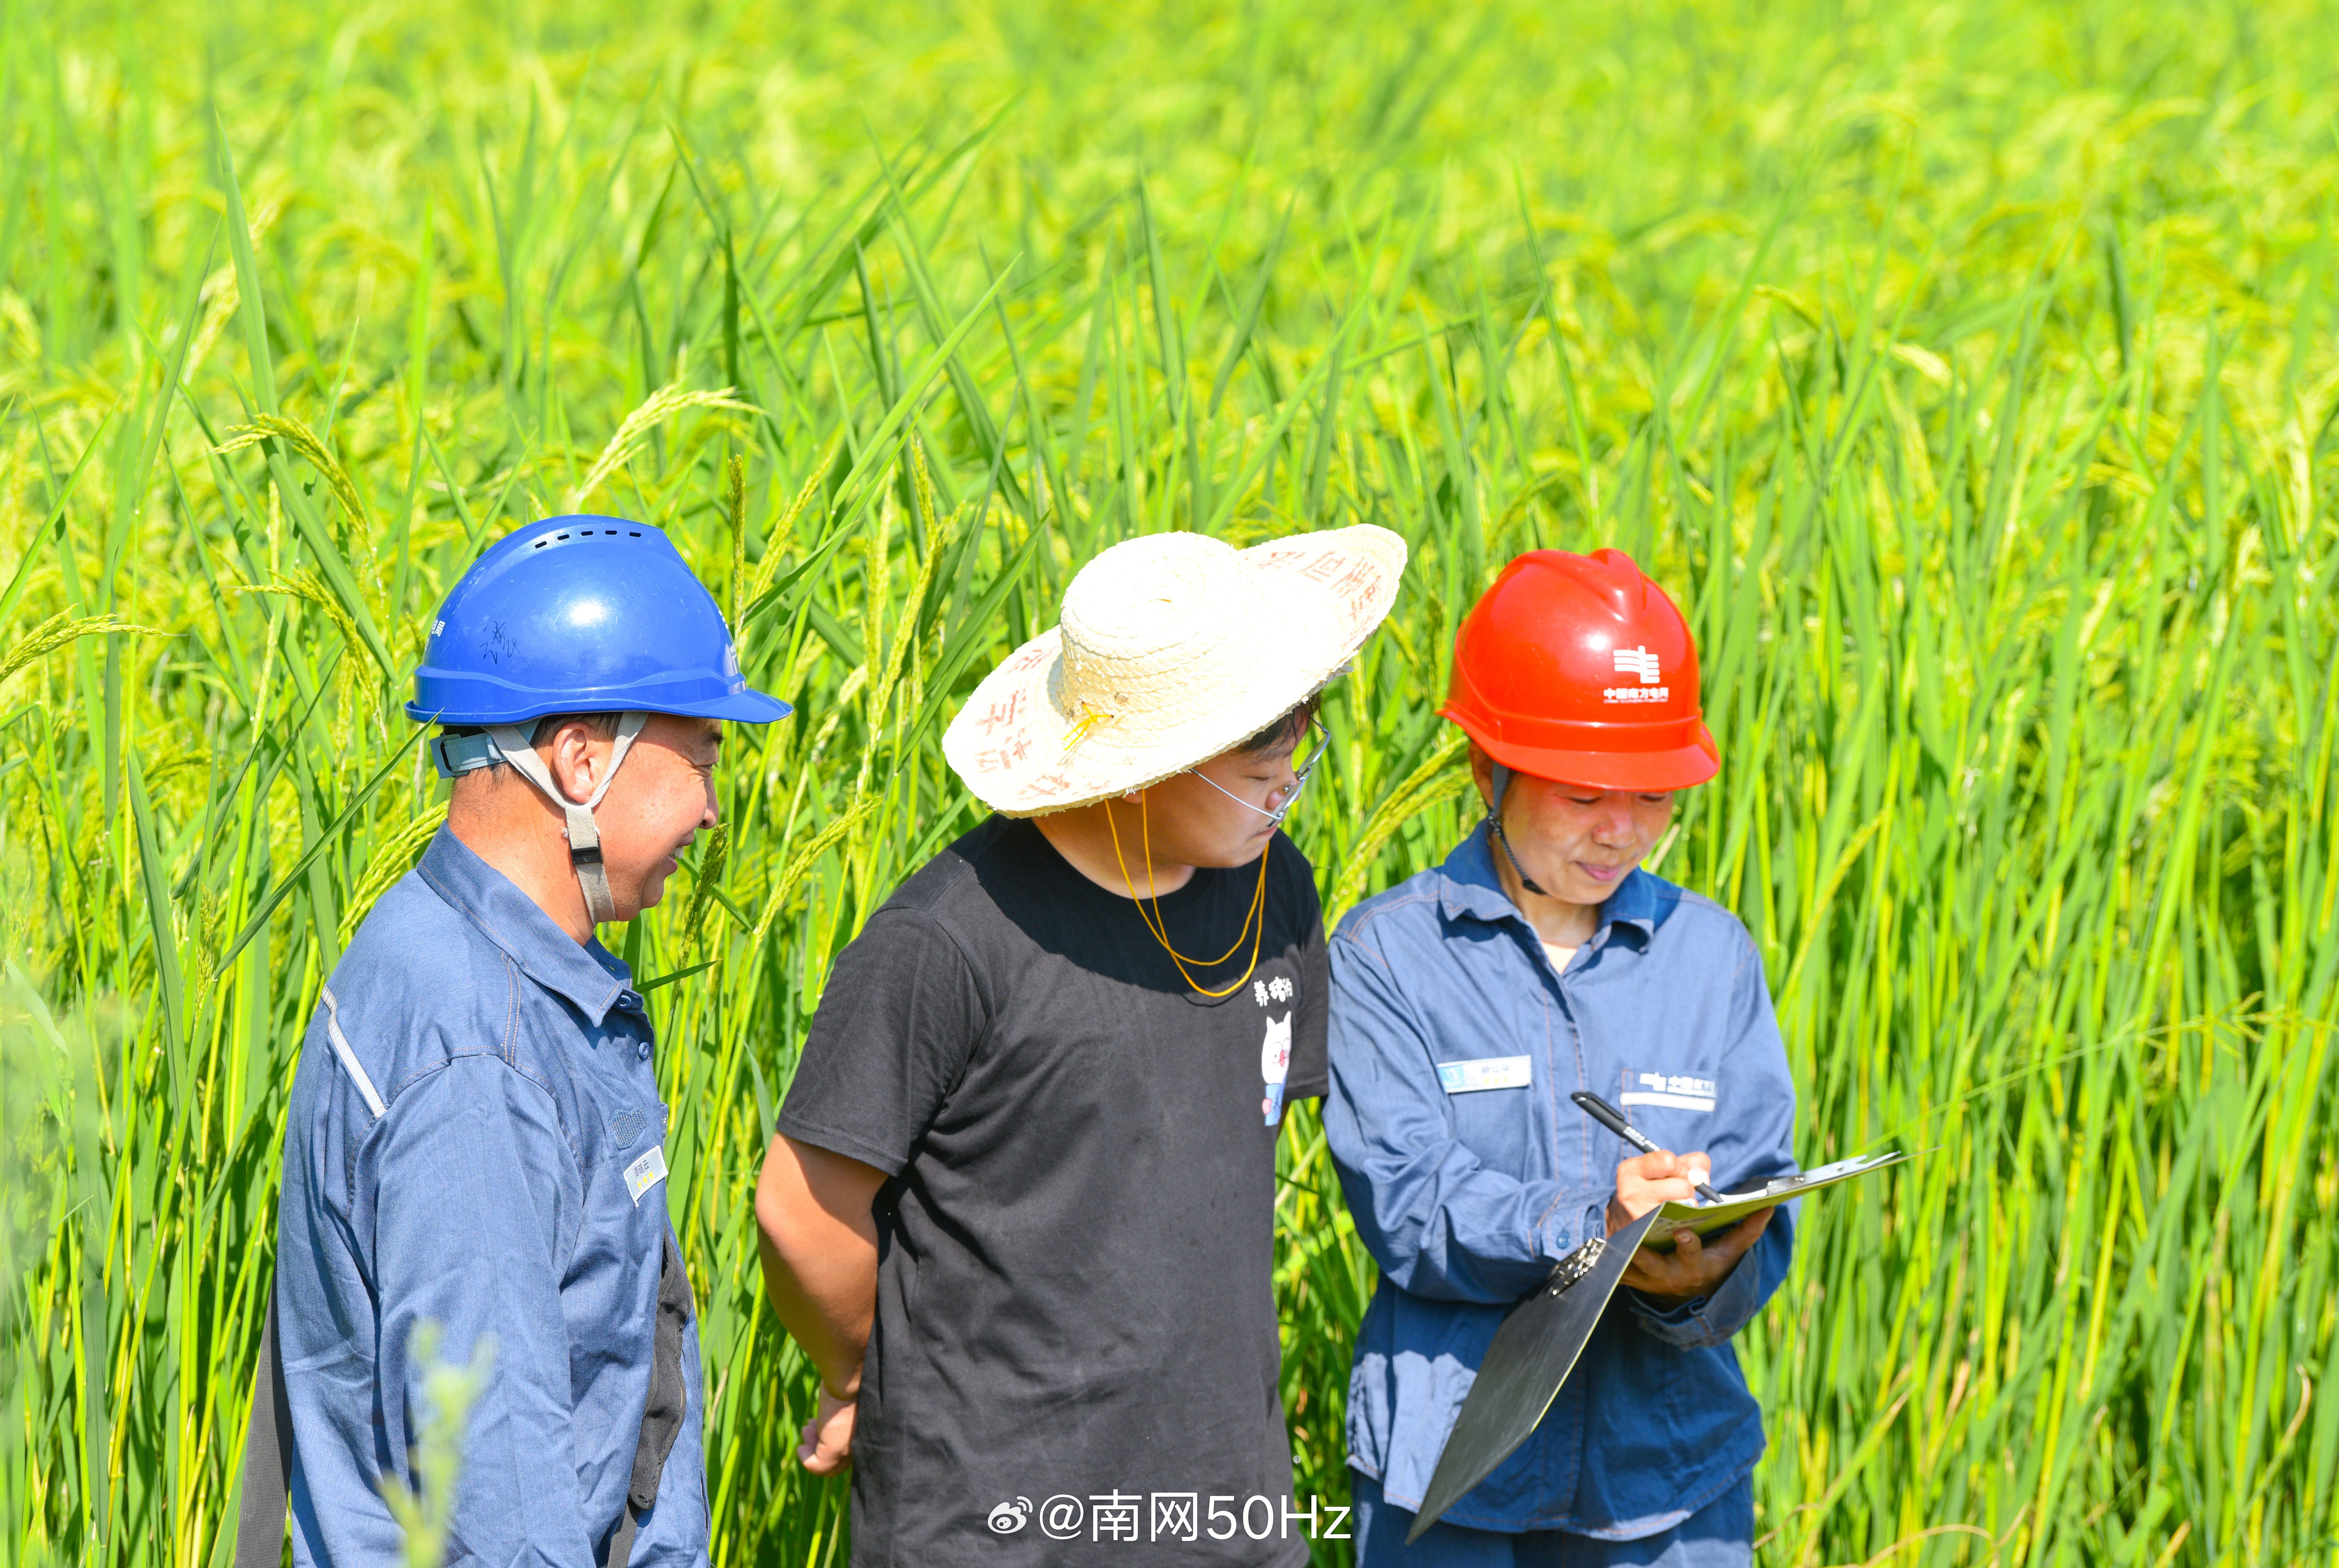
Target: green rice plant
x,y
1969,369
448,1391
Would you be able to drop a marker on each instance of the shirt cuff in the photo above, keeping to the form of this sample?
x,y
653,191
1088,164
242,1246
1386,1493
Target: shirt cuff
x,y
1675,1315
1702,1321
1563,1231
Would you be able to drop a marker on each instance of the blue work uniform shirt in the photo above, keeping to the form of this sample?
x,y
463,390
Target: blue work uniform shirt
x,y
474,1090
1466,1198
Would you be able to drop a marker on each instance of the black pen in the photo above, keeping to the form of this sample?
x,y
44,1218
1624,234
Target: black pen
x,y
1609,1117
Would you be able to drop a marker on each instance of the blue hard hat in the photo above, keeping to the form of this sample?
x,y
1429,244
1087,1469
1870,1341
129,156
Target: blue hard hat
x,y
582,615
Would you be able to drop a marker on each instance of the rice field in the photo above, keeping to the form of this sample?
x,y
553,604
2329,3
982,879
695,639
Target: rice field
x,y
1969,369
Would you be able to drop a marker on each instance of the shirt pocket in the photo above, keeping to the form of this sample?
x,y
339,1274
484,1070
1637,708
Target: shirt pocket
x,y
1492,1103
633,1158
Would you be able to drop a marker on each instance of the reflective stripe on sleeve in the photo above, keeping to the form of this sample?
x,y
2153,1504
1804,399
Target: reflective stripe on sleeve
x,y
366,1090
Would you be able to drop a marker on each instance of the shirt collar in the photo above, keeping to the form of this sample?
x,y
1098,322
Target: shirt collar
x,y
589,975
1468,889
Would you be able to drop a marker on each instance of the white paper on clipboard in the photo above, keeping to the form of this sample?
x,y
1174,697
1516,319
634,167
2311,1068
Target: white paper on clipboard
x,y
1705,1218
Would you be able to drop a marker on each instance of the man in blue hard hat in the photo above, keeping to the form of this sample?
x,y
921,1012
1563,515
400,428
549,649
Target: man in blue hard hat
x,y
475,1139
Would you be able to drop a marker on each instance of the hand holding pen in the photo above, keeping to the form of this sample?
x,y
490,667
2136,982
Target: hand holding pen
x,y
1697,1265
1609,1117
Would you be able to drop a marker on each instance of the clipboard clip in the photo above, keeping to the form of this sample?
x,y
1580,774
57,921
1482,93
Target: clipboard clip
x,y
1576,1265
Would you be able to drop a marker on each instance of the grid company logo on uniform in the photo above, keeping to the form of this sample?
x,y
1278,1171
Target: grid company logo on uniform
x,y
1638,662
1128,1517
1676,1091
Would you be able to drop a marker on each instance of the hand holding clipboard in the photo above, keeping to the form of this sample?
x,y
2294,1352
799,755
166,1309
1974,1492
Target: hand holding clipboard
x,y
1539,1343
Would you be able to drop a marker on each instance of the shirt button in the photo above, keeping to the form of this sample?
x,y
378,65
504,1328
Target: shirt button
x,y
643,1051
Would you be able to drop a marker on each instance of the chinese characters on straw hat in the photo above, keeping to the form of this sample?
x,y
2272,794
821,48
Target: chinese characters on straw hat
x,y
1171,648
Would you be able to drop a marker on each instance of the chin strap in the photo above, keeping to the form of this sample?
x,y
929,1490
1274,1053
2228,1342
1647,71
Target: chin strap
x,y
1495,821
584,838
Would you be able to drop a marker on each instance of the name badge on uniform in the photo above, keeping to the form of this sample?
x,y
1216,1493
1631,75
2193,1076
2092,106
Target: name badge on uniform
x,y
645,1173
1493,1072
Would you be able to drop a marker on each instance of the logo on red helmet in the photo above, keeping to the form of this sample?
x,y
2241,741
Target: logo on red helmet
x,y
1638,662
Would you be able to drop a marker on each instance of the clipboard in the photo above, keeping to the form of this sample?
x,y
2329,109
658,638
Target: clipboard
x,y
1705,1218
1540,1341
1525,1364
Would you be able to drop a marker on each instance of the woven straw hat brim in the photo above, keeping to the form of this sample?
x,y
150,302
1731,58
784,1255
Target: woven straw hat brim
x,y
1173,649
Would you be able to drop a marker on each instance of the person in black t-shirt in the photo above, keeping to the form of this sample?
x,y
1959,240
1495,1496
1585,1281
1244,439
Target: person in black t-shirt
x,y
1020,1208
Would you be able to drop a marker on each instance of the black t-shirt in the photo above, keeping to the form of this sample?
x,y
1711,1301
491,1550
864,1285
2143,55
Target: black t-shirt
x,y
1075,1311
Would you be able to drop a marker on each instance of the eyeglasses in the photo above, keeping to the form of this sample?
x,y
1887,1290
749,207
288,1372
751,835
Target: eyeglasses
x,y
1290,792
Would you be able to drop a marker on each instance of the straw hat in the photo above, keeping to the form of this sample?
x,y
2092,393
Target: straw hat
x,y
1172,649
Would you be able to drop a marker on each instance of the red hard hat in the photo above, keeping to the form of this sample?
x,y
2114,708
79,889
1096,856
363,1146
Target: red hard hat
x,y
1579,668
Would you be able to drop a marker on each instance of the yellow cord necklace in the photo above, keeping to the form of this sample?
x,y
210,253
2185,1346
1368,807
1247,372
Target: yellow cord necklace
x,y
1154,922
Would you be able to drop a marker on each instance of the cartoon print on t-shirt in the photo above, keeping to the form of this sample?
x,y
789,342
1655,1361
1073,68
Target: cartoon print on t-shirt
x,y
1275,1050
1275,1063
